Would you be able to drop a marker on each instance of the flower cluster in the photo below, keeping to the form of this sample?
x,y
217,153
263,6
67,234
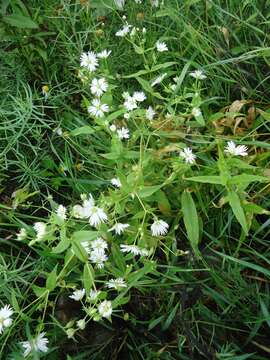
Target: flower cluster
x,y
97,252
89,211
105,307
39,343
131,101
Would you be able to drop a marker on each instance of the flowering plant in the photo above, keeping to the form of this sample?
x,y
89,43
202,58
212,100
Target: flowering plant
x,y
169,168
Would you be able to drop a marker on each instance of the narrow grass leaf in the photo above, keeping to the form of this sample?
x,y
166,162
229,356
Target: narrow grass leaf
x,y
245,264
20,21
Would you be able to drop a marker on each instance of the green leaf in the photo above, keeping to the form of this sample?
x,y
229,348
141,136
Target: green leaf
x,y
131,154
133,277
138,49
170,318
79,251
20,21
14,301
265,312
245,264
148,88
264,114
115,115
51,280
207,179
200,120
148,191
238,211
191,220
216,116
84,130
120,300
155,322
118,258
63,244
39,291
84,235
245,179
88,277
101,4
163,65
153,69
255,209
163,202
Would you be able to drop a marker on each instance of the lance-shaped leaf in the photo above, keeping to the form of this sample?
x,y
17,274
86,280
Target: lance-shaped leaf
x,y
191,220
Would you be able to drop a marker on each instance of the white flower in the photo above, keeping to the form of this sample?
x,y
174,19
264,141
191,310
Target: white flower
x,y
5,317
70,333
196,112
22,234
150,113
188,155
116,283
58,131
81,324
97,108
239,150
158,80
126,116
84,197
89,60
104,54
113,128
88,202
99,86
133,32
94,294
198,74
98,244
133,249
124,31
118,228
78,212
130,103
105,308
139,96
116,182
37,344
123,133
61,212
40,228
125,94
155,3
96,216
159,227
77,295
119,3
98,257
161,46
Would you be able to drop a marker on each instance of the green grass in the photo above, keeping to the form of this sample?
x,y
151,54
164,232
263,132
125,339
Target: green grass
x,y
208,295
